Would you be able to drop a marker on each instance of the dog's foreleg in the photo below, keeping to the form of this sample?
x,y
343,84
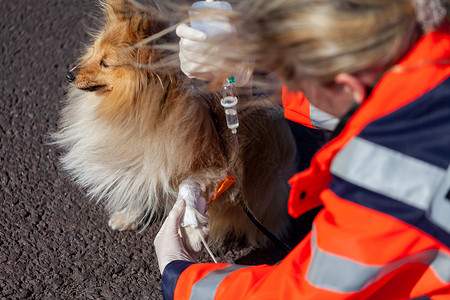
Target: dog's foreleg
x,y
194,223
122,220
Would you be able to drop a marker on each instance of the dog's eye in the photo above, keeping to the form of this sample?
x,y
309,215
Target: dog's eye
x,y
103,64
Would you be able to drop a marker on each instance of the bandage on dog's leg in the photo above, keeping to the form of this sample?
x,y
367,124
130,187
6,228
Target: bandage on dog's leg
x,y
194,223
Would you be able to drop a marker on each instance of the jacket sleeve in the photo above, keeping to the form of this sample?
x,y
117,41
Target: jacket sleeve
x,y
351,252
170,277
231,281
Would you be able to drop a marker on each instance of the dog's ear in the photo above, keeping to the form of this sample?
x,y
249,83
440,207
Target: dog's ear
x,y
118,9
142,20
149,23
143,24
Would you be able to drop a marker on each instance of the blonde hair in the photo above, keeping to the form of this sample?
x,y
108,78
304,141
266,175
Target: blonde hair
x,y
319,39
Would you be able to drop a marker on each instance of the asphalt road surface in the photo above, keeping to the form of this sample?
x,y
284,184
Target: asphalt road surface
x,y
54,242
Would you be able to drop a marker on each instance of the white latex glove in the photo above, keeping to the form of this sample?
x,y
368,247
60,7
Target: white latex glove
x,y
196,54
198,58
168,243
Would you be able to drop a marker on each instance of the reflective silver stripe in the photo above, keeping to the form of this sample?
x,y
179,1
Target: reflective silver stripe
x,y
388,172
336,273
321,119
343,275
440,206
441,266
205,288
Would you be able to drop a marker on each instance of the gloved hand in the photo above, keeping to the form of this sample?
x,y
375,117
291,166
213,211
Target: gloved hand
x,y
199,59
196,54
168,243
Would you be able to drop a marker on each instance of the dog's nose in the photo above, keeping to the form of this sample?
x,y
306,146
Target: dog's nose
x,y
70,76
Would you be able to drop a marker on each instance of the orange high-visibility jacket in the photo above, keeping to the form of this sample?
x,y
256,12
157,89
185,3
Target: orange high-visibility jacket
x,y
384,182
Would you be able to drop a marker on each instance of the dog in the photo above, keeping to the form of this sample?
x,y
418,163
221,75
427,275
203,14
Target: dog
x,y
130,135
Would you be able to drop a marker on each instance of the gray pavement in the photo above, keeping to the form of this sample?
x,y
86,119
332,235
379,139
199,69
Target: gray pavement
x,y
55,243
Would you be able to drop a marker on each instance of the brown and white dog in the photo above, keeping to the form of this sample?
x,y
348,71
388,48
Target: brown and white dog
x,y
131,135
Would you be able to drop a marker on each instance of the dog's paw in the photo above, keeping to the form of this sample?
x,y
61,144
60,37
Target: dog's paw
x,y
121,220
192,237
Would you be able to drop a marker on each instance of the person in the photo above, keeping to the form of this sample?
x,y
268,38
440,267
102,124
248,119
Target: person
x,y
383,181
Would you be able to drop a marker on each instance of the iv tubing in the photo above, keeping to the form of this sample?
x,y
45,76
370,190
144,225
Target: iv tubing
x,y
236,152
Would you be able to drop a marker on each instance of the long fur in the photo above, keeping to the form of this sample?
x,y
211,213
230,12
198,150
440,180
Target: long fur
x,y
131,135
